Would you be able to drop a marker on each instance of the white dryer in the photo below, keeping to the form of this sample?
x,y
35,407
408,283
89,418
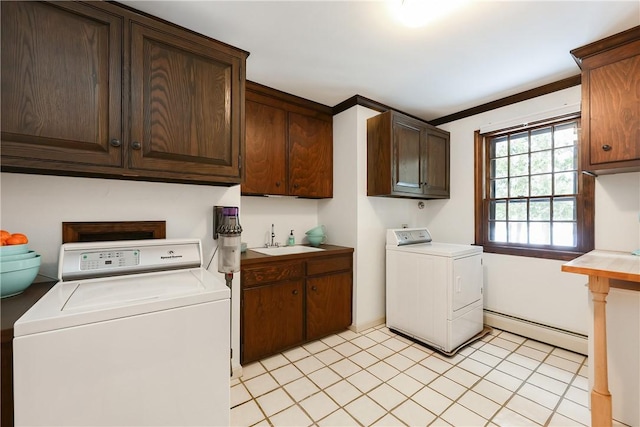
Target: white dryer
x,y
433,290
135,333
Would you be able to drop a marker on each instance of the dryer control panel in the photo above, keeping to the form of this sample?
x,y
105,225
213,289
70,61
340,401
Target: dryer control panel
x,y
408,236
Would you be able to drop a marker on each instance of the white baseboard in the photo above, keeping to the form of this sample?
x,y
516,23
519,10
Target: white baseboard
x,y
368,325
237,372
536,331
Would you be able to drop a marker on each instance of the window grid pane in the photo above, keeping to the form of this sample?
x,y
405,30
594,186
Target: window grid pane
x,y
533,180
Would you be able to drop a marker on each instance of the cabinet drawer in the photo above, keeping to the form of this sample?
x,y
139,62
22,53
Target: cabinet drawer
x,y
328,265
274,272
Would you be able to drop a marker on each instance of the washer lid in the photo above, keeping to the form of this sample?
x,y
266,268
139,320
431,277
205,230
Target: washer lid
x,y
126,290
81,302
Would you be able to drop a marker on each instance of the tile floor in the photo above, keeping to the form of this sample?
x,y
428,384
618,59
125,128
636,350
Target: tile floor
x,y
377,377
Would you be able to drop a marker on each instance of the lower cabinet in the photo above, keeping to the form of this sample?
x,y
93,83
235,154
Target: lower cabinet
x,y
273,318
328,301
286,303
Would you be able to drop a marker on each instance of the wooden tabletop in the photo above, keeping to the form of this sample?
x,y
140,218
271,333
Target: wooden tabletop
x,y
609,264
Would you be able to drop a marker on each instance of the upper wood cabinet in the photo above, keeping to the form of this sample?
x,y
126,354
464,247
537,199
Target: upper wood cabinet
x,y
406,157
289,145
94,89
61,86
610,140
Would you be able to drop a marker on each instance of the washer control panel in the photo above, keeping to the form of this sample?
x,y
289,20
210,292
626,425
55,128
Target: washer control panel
x,y
109,259
101,259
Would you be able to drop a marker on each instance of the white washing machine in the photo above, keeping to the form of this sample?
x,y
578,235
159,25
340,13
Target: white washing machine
x,y
433,290
135,333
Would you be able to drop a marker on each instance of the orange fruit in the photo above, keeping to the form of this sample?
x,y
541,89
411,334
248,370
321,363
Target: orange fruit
x,y
17,239
4,234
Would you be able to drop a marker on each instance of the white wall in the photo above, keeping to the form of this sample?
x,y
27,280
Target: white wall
x,y
37,205
617,228
362,221
623,343
286,214
618,212
529,288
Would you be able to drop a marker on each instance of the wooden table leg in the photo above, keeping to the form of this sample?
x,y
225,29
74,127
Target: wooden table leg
x,y
601,413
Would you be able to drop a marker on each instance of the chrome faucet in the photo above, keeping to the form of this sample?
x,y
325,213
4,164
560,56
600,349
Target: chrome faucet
x,y
273,235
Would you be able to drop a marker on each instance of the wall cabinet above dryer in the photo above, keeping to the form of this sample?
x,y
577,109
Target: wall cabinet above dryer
x,y
95,89
406,157
289,145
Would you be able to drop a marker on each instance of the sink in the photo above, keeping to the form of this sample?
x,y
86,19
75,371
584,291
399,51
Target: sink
x,y
286,250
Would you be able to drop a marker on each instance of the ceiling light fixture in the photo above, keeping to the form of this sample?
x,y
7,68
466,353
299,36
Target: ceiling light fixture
x,y
418,13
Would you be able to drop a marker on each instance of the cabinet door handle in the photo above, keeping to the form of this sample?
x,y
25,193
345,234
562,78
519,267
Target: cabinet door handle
x,y
606,147
277,183
115,142
294,292
314,288
136,145
295,185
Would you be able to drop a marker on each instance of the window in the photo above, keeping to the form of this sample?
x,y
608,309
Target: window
x,y
531,197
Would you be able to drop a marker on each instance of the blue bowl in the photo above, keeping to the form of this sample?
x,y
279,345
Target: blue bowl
x,y
13,249
316,240
16,276
317,231
16,257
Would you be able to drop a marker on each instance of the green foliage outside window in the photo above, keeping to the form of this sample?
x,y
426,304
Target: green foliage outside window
x,y
533,186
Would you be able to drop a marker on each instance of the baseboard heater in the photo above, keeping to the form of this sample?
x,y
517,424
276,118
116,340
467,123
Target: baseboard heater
x,y
537,331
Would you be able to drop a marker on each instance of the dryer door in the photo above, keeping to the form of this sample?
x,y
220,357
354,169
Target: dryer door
x,y
467,282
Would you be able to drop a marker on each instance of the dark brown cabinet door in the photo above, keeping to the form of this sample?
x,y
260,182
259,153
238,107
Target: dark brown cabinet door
x,y
310,156
328,304
407,163
266,133
185,117
610,137
436,163
272,319
614,111
61,85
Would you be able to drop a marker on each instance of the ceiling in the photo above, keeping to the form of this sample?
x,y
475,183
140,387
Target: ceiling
x,y
328,51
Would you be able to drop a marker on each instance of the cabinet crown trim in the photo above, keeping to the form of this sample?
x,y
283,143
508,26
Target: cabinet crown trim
x,y
611,42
